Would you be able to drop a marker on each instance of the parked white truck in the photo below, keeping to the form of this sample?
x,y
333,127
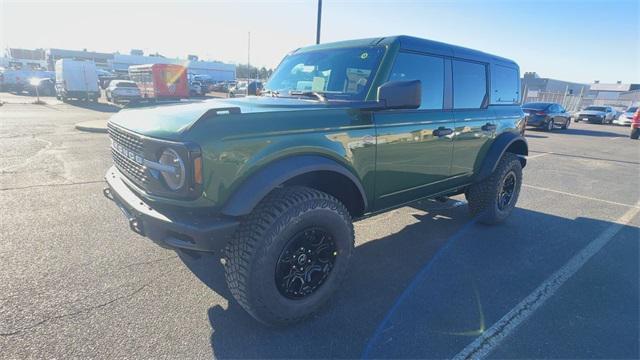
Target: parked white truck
x,y
76,79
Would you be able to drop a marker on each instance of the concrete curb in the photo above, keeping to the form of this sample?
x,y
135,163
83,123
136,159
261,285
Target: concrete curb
x,y
94,126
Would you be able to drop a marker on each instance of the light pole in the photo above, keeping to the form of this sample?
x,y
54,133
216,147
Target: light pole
x,y
319,21
248,62
34,82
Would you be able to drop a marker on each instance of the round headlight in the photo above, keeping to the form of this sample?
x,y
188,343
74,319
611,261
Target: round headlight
x,y
176,177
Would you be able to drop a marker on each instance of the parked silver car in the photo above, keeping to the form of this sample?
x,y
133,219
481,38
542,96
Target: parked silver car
x,y
122,90
597,114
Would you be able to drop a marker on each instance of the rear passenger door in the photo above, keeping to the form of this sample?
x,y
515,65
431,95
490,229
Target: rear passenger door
x,y
475,125
414,146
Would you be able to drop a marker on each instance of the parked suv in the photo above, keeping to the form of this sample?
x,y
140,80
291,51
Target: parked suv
x,y
597,114
635,125
342,131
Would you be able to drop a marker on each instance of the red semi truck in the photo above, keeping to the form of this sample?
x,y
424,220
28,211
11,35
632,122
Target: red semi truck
x,y
160,81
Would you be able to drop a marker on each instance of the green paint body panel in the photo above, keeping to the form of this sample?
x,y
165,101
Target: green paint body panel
x,y
393,153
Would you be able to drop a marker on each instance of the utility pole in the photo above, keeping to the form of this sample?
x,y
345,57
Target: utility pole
x,y
319,21
248,61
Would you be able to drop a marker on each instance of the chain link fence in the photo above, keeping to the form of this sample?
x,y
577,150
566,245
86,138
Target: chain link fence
x,y
573,102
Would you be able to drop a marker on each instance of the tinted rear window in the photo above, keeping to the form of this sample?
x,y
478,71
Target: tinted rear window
x,y
537,106
596,108
469,84
505,84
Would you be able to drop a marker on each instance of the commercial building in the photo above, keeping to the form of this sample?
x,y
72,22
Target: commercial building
x,y
101,59
618,94
119,63
533,84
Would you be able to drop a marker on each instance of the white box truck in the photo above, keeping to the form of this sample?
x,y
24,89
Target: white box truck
x,y
76,79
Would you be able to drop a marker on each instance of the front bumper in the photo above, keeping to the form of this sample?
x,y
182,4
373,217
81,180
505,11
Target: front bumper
x,y
622,121
176,229
591,118
125,97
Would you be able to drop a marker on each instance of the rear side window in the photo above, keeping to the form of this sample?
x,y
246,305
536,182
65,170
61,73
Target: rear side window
x,y
429,70
504,85
469,85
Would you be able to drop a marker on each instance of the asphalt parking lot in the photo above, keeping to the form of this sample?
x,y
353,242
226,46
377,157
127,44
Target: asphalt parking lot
x,y
559,279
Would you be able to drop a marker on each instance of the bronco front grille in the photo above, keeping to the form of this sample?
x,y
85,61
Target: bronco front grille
x,y
127,154
131,141
129,167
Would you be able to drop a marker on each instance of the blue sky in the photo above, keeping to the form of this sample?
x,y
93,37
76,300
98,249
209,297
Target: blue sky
x,y
566,39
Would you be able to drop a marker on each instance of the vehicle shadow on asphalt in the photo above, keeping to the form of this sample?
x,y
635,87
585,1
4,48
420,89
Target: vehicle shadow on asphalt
x,y
534,136
95,106
476,279
594,133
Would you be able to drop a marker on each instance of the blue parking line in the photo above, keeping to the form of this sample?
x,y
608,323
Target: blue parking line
x,y
418,278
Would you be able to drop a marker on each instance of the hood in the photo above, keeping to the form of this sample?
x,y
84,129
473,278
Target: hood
x,y
591,112
171,120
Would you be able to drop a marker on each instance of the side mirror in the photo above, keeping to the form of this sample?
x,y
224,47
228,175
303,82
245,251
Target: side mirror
x,y
405,94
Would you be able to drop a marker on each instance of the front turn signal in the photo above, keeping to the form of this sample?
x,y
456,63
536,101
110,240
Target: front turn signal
x,y
197,170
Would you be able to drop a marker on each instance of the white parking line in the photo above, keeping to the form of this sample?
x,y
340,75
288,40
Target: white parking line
x,y
539,155
493,336
580,196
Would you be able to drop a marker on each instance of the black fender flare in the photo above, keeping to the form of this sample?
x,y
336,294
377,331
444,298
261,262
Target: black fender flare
x,y
272,175
499,146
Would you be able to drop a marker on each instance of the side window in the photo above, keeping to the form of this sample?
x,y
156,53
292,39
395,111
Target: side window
x,y
469,85
505,85
429,70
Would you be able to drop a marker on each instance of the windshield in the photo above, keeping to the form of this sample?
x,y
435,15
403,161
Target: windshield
x,y
632,109
596,108
344,74
537,106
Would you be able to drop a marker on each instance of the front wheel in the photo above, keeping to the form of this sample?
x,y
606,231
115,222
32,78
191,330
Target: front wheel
x,y
549,125
566,125
493,199
289,255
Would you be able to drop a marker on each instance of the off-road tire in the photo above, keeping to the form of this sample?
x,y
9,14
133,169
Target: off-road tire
x,y
635,133
483,196
253,253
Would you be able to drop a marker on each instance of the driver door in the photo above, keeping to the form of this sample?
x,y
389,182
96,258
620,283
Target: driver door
x,y
414,147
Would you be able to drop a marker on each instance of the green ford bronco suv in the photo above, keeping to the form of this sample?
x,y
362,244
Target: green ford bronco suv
x,y
342,131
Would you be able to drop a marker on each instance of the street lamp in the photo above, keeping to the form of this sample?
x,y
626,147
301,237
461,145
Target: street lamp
x,y
319,21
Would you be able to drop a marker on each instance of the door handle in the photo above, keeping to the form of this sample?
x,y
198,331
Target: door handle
x,y
488,127
442,131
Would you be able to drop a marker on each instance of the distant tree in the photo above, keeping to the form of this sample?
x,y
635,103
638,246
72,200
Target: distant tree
x,y
243,72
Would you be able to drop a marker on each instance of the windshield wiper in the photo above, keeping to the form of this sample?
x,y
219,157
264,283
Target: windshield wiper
x,y
315,94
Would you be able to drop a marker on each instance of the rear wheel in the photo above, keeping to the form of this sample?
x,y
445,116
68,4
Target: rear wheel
x,y
493,199
290,255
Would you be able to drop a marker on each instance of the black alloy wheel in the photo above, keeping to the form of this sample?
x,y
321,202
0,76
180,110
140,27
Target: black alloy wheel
x,y
305,263
506,192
